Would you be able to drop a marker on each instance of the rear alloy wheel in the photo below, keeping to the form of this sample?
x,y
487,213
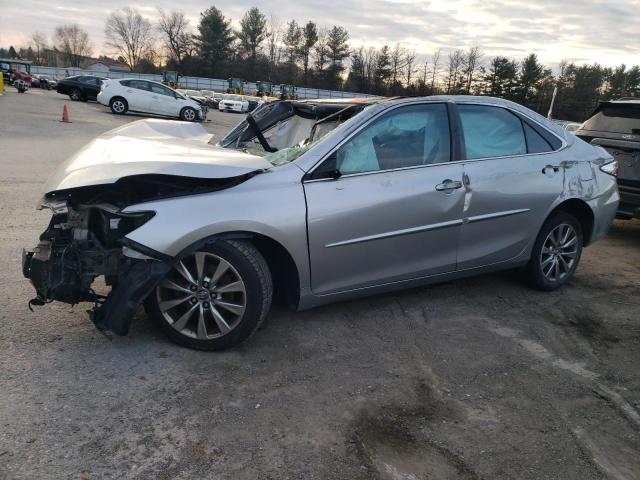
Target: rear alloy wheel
x,y
213,298
188,114
556,253
118,106
75,94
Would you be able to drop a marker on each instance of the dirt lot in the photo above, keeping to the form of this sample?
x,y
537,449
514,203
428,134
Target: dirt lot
x,y
480,378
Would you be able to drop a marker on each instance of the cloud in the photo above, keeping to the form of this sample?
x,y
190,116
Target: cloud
x,y
600,31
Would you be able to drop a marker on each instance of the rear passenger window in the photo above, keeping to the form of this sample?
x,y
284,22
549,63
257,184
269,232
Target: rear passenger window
x,y
139,84
491,132
535,142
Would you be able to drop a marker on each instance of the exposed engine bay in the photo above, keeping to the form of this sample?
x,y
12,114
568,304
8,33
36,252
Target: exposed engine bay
x,y
82,244
85,239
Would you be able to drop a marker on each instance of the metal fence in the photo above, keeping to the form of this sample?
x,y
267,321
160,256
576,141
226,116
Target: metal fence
x,y
198,83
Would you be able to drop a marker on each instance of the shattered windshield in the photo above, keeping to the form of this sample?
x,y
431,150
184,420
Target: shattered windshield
x,y
289,128
287,155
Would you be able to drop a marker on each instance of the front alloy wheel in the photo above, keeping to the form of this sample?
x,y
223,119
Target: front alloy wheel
x,y
214,297
189,114
204,298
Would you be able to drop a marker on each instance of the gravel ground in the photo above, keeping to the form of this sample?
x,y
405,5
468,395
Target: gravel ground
x,y
479,378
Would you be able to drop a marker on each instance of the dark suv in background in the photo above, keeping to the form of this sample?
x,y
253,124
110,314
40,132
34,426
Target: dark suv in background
x,y
83,87
615,126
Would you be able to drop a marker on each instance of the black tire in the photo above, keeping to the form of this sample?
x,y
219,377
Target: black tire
x,y
189,114
539,262
75,94
118,105
253,271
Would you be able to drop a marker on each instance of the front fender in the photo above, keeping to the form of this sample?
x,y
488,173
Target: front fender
x,y
271,204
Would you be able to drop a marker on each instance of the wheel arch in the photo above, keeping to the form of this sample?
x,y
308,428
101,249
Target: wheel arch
x,y
116,97
583,213
284,270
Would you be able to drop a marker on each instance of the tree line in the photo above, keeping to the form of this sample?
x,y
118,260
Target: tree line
x,y
311,55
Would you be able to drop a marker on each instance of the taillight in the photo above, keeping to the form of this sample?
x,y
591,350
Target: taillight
x,y
610,168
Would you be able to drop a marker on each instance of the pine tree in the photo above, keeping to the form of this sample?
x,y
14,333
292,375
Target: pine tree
x,y
309,39
215,37
338,47
383,70
253,31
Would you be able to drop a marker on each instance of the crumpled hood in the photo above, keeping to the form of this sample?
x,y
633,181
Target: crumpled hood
x,y
153,146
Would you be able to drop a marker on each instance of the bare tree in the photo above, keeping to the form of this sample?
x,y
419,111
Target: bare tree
x,y
39,44
409,65
435,59
425,70
274,35
129,34
471,63
321,50
174,28
456,63
397,57
73,42
370,63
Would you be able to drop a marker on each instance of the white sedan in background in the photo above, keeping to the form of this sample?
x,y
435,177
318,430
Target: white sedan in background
x,y
145,96
233,103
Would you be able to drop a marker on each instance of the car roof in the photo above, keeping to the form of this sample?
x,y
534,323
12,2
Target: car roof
x,y
458,99
492,101
140,79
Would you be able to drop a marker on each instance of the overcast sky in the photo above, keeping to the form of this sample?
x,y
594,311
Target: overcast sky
x,y
603,31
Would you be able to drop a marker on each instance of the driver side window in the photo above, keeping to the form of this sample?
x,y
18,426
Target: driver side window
x,y
405,137
155,88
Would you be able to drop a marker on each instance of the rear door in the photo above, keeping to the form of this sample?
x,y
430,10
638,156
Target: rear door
x,y
395,212
511,177
138,95
91,86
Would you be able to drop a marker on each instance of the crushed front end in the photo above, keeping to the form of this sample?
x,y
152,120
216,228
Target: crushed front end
x,y
83,242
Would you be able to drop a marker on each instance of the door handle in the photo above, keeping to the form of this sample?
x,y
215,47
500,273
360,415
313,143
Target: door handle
x,y
556,168
448,185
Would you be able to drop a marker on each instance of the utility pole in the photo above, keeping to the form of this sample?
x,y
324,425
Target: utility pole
x,y
553,100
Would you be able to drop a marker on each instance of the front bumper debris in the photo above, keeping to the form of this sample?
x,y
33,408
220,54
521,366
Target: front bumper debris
x,y
82,244
133,286
135,280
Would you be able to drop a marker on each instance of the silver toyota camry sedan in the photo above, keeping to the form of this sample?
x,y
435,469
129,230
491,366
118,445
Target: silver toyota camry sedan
x,y
314,202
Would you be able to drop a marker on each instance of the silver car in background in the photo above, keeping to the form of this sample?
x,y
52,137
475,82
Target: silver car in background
x,y
317,201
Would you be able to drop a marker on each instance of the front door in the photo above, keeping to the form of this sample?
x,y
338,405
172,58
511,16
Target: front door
x,y
512,177
163,100
395,211
138,95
